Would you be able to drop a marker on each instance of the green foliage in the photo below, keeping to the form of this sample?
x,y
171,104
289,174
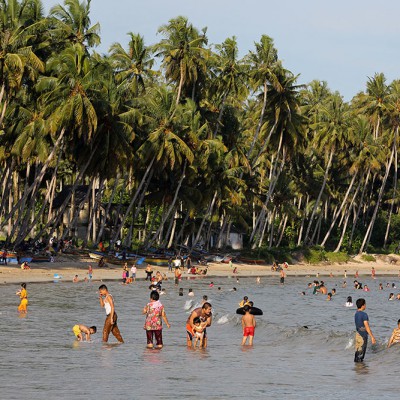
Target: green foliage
x,y
338,257
368,257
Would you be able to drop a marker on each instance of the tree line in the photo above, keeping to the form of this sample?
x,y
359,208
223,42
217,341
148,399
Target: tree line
x,y
207,142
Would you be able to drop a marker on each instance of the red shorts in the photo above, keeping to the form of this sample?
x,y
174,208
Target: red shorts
x,y
248,331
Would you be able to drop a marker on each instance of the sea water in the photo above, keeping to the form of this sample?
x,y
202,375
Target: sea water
x,y
303,346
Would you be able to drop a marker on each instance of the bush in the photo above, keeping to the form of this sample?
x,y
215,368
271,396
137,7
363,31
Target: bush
x,y
368,257
337,257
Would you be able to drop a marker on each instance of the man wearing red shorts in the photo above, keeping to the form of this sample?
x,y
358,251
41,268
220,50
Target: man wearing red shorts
x,y
248,325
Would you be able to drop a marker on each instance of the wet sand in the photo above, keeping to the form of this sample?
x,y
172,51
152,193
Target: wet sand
x,y
69,266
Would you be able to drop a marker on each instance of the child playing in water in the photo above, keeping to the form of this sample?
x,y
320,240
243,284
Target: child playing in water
x,y
248,325
23,295
78,329
198,329
395,338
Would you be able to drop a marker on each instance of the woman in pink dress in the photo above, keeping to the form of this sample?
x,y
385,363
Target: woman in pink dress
x,y
155,313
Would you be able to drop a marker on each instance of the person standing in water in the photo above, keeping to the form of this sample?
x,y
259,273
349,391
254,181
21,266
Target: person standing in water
x,y
23,295
283,276
155,313
110,324
204,313
248,325
362,331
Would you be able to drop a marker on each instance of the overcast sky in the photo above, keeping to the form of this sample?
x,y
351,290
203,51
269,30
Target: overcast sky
x,y
343,41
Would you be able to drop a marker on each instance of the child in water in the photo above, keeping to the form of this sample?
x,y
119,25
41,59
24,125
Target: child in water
x,y
23,295
78,329
248,325
198,329
395,338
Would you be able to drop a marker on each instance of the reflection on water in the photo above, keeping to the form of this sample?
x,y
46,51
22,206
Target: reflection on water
x,y
301,343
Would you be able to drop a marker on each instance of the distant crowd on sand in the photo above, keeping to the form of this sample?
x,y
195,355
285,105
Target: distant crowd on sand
x,y
201,317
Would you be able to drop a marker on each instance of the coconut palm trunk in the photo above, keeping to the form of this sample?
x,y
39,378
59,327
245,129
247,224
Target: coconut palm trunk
x,y
339,210
314,210
367,236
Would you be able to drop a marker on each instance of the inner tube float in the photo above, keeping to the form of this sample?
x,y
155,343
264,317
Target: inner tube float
x,y
253,311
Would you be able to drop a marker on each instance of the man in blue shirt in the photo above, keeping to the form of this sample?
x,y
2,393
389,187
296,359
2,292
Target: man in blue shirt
x,y
363,330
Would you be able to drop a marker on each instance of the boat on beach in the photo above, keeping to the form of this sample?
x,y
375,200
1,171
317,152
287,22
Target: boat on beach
x,y
251,261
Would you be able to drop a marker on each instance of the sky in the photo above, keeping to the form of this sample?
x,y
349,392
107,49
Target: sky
x,y
343,42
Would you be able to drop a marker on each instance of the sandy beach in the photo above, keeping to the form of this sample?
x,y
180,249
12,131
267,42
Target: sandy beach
x,y
68,266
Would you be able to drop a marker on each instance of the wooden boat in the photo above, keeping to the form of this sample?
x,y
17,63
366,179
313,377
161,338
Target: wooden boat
x,y
40,259
96,255
162,262
251,261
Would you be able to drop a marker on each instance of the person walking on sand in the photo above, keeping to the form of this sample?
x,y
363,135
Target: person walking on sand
x,y
90,272
110,324
248,325
155,313
362,331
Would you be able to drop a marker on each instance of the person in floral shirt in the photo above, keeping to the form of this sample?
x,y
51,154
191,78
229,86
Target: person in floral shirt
x,y
155,313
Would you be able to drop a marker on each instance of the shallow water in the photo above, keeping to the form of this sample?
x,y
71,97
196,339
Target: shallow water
x,y
40,358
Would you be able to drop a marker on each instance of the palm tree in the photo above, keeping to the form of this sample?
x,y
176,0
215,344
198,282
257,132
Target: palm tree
x,y
331,134
72,24
132,66
183,54
263,63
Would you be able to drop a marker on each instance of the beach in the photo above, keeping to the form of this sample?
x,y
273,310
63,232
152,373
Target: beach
x,y
70,265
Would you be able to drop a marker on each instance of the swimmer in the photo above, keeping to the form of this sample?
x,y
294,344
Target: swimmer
x,y
380,286
191,293
391,296
366,288
333,291
303,293
344,284
79,329
322,289
373,273
244,302
211,284
23,295
75,279
248,325
180,292
329,297
205,299
258,280
349,302
395,338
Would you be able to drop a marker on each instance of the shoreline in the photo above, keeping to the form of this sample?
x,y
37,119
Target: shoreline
x,y
68,268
